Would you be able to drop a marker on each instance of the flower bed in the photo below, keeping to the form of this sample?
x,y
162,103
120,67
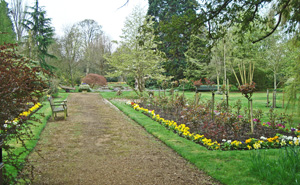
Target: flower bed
x,y
278,141
24,115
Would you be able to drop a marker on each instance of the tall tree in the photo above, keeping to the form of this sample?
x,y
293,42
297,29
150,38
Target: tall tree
x,y
18,12
71,51
7,34
198,56
173,29
40,34
138,56
90,30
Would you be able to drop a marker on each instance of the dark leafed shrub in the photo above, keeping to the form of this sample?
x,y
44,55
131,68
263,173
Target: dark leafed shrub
x,y
94,80
21,83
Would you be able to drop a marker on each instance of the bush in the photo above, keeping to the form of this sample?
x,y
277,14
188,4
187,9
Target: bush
x,y
22,83
84,87
94,80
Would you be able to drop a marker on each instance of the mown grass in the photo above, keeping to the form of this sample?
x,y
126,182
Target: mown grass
x,y
131,95
228,167
43,114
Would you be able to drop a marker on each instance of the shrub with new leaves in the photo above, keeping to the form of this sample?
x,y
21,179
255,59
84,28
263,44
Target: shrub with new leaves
x,y
94,80
20,83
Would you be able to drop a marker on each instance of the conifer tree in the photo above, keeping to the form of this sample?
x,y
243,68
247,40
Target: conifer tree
x,y
40,35
7,34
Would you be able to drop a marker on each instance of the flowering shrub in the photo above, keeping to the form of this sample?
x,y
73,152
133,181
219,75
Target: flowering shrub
x,y
251,143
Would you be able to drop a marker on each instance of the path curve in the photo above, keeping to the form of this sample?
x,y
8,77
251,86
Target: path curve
x,y
99,145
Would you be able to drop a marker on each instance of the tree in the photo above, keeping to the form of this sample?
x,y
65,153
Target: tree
x,y
293,73
198,56
137,56
71,51
21,83
173,29
90,30
18,12
40,35
268,14
274,54
7,35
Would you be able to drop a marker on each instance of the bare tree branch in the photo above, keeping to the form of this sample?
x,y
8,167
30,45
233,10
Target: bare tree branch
x,y
127,1
277,24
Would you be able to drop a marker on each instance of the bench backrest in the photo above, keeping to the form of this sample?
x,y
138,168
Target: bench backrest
x,y
50,99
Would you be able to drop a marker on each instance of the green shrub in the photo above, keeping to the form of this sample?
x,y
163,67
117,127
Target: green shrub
x,y
84,87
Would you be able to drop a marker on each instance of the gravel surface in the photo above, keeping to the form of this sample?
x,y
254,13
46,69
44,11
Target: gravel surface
x,y
99,145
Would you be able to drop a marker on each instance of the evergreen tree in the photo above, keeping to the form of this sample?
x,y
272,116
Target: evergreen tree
x,y
40,35
7,35
173,28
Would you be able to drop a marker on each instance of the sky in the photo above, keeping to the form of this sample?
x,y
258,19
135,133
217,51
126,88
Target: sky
x,y
107,13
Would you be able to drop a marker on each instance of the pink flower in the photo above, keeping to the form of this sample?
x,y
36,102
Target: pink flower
x,y
240,116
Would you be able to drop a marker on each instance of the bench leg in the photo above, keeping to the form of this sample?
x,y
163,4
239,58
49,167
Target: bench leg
x,y
66,114
52,116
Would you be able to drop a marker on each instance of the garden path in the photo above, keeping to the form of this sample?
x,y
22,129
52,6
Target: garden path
x,y
99,145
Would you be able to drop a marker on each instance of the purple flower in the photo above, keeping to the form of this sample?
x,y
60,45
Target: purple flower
x,y
268,123
293,129
240,116
256,120
280,125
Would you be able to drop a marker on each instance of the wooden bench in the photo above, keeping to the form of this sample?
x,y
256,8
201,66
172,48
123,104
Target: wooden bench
x,y
58,106
67,89
207,88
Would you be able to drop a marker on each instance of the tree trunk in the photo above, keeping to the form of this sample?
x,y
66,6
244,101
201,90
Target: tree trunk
x,y
274,98
87,69
268,102
218,81
282,99
275,81
212,105
71,74
251,117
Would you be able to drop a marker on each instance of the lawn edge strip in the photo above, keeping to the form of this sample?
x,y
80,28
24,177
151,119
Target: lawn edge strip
x,y
220,165
37,129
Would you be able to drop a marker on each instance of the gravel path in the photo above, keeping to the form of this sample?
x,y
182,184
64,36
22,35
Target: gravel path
x,y
99,145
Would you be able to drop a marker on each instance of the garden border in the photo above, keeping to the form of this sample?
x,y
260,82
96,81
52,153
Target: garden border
x,y
222,166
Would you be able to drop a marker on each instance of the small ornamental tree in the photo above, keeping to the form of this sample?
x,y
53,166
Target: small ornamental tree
x,y
94,79
247,87
20,83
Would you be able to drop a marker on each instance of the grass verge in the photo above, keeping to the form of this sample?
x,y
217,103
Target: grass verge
x,y
228,167
43,114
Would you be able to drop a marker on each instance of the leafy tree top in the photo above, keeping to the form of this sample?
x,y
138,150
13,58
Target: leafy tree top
x,y
266,15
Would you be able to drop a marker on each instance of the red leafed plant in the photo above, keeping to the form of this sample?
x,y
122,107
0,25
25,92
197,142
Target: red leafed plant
x,y
198,82
94,79
20,83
